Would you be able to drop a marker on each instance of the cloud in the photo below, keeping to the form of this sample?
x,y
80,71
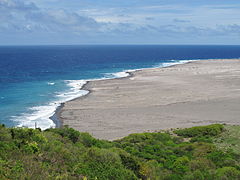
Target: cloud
x,y
72,21
17,15
149,18
233,29
16,5
180,21
178,31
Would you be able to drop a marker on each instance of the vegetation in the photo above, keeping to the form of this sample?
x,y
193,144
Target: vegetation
x,y
229,139
206,152
199,131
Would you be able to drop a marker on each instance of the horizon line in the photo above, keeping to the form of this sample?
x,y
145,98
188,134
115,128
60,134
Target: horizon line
x,y
120,45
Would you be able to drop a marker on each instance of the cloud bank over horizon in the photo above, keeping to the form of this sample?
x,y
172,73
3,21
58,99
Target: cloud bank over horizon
x,y
124,22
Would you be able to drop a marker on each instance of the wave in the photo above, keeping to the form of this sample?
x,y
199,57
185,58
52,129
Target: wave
x,y
75,90
173,63
51,83
38,115
41,115
116,75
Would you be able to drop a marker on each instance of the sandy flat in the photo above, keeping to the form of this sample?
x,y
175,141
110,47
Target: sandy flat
x,y
196,93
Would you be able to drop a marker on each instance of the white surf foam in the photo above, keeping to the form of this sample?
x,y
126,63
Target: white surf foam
x,y
50,83
75,90
121,74
126,73
41,114
172,63
116,75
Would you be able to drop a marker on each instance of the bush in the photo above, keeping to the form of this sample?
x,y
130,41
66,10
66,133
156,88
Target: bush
x,y
103,164
31,147
181,165
201,164
210,130
196,175
66,132
228,173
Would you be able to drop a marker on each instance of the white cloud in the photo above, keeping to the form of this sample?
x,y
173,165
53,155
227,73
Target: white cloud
x,y
16,15
153,21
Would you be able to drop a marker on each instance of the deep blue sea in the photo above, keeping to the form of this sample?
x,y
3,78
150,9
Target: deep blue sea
x,y
34,80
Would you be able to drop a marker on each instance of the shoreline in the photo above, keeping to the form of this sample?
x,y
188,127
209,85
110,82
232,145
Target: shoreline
x,y
106,111
56,116
58,120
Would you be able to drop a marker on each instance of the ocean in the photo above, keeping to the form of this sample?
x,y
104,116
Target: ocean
x,y
35,80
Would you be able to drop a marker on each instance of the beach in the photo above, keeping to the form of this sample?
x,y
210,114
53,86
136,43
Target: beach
x,y
185,95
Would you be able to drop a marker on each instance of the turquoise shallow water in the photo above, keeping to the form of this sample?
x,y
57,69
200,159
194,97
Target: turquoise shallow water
x,y
34,80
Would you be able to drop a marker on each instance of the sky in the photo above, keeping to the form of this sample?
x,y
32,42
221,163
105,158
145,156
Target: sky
x,y
63,22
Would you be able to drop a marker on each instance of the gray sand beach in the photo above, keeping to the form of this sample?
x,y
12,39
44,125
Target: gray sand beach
x,y
197,93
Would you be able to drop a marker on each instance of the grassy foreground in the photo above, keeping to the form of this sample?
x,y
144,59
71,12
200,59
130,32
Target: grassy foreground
x,y
206,152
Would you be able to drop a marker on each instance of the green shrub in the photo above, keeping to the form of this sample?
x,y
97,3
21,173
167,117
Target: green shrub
x,y
181,165
4,134
228,173
128,161
31,147
196,175
202,149
201,164
66,132
210,130
103,164
218,157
